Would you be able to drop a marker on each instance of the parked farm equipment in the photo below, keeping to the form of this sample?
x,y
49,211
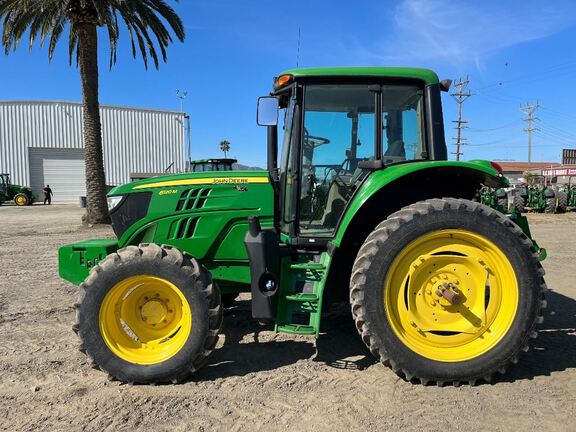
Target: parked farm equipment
x,y
567,196
21,195
442,289
535,196
497,198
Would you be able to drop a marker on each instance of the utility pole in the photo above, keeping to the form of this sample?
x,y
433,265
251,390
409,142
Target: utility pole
x,y
529,110
182,95
460,96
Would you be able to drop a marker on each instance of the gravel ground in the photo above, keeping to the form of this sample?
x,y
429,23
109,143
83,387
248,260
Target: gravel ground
x,y
257,380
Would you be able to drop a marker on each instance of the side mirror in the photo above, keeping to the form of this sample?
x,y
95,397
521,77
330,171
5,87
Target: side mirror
x,y
267,111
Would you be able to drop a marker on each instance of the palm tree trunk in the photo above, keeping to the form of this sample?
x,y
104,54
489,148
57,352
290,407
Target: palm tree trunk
x,y
96,205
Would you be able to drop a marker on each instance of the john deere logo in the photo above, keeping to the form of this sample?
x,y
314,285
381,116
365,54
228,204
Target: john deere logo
x,y
230,180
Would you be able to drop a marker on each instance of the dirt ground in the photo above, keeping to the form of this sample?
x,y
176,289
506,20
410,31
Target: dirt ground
x,y
256,380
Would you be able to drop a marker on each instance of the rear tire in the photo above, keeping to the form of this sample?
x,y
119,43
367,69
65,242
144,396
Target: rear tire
x,y
562,202
503,204
384,312
148,314
519,203
550,206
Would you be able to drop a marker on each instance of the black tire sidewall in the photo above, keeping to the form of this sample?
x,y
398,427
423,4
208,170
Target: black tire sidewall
x,y
176,365
516,337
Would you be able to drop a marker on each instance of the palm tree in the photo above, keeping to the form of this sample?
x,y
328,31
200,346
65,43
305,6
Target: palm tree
x,y
48,19
225,147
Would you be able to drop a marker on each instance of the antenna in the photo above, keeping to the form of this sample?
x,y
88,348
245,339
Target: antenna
x,y
298,50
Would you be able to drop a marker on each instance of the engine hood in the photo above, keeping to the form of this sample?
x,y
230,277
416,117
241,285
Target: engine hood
x,y
185,179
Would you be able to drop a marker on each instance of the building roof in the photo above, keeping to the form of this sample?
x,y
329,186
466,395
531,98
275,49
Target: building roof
x,y
521,167
426,75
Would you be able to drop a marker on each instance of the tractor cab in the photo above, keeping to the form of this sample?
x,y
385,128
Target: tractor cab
x,y
204,165
339,129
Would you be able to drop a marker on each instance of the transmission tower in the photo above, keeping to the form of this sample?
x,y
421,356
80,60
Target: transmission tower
x,y
460,95
529,110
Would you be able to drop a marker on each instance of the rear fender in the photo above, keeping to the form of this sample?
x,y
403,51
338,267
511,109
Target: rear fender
x,y
396,186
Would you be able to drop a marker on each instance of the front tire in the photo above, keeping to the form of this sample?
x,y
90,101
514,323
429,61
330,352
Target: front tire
x,y
21,200
148,314
468,249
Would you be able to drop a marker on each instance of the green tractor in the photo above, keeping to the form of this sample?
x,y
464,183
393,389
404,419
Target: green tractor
x,y
567,196
363,207
21,195
535,196
496,198
219,164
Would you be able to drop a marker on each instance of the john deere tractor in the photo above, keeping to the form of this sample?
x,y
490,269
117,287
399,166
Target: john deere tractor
x,y
21,195
567,196
362,207
496,198
535,196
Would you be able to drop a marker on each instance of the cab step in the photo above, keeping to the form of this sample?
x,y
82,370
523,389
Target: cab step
x,y
300,312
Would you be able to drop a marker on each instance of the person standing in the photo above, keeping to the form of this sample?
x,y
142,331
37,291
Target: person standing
x,y
48,195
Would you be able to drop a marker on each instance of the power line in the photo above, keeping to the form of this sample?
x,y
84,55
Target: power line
x,y
529,110
460,96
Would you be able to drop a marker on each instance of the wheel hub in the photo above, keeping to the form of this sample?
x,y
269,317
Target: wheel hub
x,y
446,293
155,311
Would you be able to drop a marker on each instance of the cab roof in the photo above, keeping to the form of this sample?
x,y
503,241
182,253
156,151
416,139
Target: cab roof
x,y
426,75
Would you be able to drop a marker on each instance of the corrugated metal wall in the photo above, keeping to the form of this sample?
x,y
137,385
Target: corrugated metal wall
x,y
134,140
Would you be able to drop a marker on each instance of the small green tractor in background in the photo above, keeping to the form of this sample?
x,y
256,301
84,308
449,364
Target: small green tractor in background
x,y
497,198
362,206
567,196
535,196
21,195
214,164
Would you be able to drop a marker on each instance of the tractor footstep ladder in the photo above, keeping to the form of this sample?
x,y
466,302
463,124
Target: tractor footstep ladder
x,y
300,312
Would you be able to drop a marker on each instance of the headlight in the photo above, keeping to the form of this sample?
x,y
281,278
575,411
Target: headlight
x,y
113,201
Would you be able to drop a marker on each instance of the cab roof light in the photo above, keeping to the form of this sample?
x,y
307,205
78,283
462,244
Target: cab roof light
x,y
282,80
497,167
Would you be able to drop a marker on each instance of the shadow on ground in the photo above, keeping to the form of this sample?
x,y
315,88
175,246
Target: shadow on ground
x,y
554,349
340,346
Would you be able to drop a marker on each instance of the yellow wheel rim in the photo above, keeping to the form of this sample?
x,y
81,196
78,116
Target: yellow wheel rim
x,y
451,295
145,320
20,200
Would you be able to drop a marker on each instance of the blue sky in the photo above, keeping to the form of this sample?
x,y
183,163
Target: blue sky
x,y
513,51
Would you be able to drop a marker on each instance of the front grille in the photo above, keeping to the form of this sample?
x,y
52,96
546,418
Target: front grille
x,y
132,208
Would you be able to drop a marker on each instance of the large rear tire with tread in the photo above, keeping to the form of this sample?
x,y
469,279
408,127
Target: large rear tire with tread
x,y
519,203
550,206
562,204
407,262
148,314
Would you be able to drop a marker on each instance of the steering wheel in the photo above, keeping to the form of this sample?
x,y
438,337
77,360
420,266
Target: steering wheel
x,y
314,141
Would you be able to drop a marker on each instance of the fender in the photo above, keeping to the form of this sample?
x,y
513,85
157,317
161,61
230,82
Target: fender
x,y
465,176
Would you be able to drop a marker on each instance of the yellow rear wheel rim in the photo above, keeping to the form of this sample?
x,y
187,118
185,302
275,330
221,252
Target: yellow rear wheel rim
x,y
145,320
20,200
470,266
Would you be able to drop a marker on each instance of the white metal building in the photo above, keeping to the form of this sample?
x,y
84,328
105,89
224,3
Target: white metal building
x,y
41,143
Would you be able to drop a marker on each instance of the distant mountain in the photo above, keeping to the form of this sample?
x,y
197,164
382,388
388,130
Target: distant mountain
x,y
241,167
